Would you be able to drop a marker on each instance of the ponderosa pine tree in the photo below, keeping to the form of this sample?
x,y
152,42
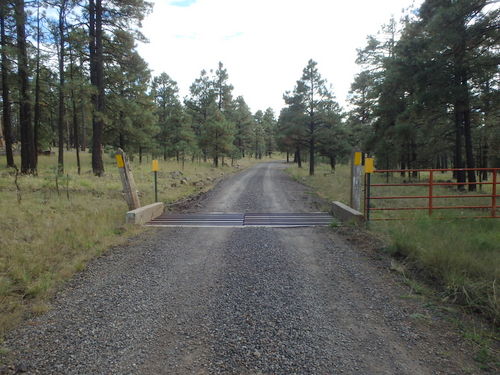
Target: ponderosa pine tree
x,y
166,95
315,97
291,132
119,16
28,157
269,129
217,137
222,89
6,102
243,120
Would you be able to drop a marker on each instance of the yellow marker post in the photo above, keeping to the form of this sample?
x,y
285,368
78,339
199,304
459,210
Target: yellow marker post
x,y
119,161
357,158
356,171
369,167
155,169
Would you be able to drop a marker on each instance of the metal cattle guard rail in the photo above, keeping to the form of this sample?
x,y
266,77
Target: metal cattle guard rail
x,y
430,197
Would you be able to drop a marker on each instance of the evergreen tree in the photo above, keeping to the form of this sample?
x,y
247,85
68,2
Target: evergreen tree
x,y
28,156
243,120
217,137
269,131
6,87
313,97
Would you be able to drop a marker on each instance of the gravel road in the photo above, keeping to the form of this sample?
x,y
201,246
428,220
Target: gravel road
x,y
238,301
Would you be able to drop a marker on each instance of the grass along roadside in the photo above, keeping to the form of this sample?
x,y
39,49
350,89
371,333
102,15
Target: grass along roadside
x,y
61,222
459,257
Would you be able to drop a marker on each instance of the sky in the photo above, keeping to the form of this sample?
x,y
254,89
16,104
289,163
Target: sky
x,y
264,44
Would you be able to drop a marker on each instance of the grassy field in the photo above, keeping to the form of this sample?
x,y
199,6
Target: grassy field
x,y
461,257
52,226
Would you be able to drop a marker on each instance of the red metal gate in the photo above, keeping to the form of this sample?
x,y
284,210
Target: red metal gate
x,y
432,192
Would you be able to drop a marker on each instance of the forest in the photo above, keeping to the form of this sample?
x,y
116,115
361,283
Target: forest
x,y
426,95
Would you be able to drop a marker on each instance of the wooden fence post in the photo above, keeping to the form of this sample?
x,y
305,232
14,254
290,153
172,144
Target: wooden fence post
x,y
129,188
356,170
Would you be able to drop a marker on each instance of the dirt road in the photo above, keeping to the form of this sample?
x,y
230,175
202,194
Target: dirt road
x,y
238,301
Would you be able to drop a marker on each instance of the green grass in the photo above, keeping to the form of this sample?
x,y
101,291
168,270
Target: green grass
x,y
462,256
49,235
328,184
459,257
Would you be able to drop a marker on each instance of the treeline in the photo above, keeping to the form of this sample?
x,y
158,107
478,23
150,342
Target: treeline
x,y
428,96
210,123
72,78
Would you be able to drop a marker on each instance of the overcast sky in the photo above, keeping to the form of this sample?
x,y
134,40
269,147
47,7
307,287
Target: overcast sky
x,y
264,44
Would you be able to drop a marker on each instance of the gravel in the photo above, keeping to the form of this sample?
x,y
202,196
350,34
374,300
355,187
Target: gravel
x,y
237,301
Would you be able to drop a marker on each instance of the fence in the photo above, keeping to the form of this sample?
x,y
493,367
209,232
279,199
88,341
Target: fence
x,y
433,194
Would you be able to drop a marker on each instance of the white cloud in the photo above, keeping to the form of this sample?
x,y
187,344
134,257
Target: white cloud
x,y
264,44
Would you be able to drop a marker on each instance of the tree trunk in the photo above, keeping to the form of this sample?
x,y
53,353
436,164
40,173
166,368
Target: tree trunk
x,y
83,141
62,109
469,153
75,114
311,154
7,119
121,141
76,140
413,158
96,76
216,154
121,138
37,84
484,162
28,163
333,162
299,159
459,175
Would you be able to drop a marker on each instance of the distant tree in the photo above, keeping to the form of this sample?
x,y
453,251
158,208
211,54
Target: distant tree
x,y
243,120
217,137
201,105
334,141
211,109
222,89
169,109
314,97
269,130
291,132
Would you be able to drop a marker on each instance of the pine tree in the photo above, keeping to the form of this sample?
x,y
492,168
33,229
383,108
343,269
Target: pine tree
x,y
314,97
28,157
6,102
243,120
